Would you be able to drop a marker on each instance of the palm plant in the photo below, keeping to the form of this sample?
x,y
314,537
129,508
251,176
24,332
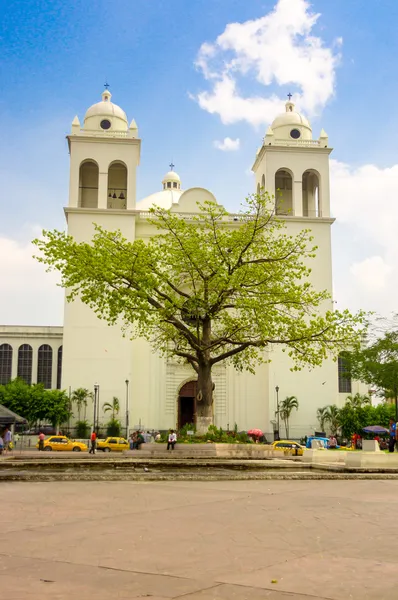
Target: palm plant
x,y
113,406
80,397
321,415
285,410
332,417
358,401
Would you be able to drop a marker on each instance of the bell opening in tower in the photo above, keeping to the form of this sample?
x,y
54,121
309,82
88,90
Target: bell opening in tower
x,y
117,186
311,195
88,184
283,192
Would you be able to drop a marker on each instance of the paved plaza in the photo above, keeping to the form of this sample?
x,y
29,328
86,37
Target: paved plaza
x,y
237,540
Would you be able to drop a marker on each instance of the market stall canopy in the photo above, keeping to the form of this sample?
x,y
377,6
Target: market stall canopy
x,y
7,417
375,429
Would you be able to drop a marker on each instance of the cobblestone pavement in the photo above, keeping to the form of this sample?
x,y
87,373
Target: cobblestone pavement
x,y
237,540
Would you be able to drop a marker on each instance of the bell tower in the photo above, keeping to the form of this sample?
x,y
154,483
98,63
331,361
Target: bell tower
x,y
104,155
294,167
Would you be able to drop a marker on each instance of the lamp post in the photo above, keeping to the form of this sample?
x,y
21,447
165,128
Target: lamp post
x,y
98,406
127,407
276,433
95,405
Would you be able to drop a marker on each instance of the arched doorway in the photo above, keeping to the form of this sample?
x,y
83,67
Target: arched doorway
x,y
187,404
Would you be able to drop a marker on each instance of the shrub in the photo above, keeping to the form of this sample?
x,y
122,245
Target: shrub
x,y
82,429
113,427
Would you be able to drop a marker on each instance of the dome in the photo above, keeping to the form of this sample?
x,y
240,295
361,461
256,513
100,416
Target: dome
x,y
106,115
291,125
171,176
170,194
165,199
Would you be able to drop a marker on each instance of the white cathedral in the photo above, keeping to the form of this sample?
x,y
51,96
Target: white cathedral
x,y
156,392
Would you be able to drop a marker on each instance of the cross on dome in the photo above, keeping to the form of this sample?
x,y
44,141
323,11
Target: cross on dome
x,y
171,166
289,96
106,85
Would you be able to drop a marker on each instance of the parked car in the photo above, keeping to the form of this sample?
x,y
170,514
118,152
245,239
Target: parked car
x,y
289,447
62,443
113,444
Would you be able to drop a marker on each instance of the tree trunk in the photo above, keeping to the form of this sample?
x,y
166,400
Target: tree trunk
x,y
204,398
287,428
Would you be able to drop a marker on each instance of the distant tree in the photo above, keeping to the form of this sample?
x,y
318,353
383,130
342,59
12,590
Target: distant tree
x,y
321,415
207,290
377,365
285,410
332,418
358,401
113,406
80,397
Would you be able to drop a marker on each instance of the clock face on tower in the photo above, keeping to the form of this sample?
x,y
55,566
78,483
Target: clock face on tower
x,y
295,134
105,124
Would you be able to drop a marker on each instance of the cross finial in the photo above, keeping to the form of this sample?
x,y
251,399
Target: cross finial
x,y
171,166
106,85
289,96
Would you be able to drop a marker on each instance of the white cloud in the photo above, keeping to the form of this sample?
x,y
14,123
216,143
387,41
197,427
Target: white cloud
x,y
371,273
365,246
29,295
227,145
278,48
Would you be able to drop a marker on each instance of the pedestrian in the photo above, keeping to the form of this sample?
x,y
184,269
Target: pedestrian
x,y
172,439
140,440
1,445
393,434
7,440
41,440
93,440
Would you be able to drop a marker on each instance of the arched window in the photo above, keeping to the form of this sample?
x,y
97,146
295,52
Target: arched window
x,y
283,192
311,199
25,359
88,184
45,366
59,368
5,363
345,386
263,183
258,188
117,185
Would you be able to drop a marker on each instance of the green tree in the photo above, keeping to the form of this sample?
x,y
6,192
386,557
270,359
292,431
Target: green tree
x,y
321,414
57,407
377,365
80,396
285,410
332,417
113,406
208,289
358,401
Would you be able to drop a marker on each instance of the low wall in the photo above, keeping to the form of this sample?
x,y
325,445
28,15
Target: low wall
x,y
247,451
324,456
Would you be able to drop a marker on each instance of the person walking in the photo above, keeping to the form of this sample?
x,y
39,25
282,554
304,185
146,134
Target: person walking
x,y
41,440
393,435
93,440
172,439
1,445
7,440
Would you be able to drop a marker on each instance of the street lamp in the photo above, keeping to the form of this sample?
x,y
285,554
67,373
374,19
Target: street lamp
x,y
276,433
96,407
127,407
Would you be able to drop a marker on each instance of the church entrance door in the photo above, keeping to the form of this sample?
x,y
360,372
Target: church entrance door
x,y
187,404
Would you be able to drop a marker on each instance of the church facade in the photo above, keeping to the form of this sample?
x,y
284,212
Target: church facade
x,y
155,392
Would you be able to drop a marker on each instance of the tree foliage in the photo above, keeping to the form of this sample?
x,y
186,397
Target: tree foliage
x,y
354,416
285,410
208,289
35,403
321,415
80,397
377,364
113,407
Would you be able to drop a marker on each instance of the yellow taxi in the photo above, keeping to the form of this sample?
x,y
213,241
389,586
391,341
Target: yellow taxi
x,y
113,444
289,447
60,443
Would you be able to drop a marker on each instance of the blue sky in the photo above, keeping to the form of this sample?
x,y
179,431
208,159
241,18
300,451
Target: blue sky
x,y
56,56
